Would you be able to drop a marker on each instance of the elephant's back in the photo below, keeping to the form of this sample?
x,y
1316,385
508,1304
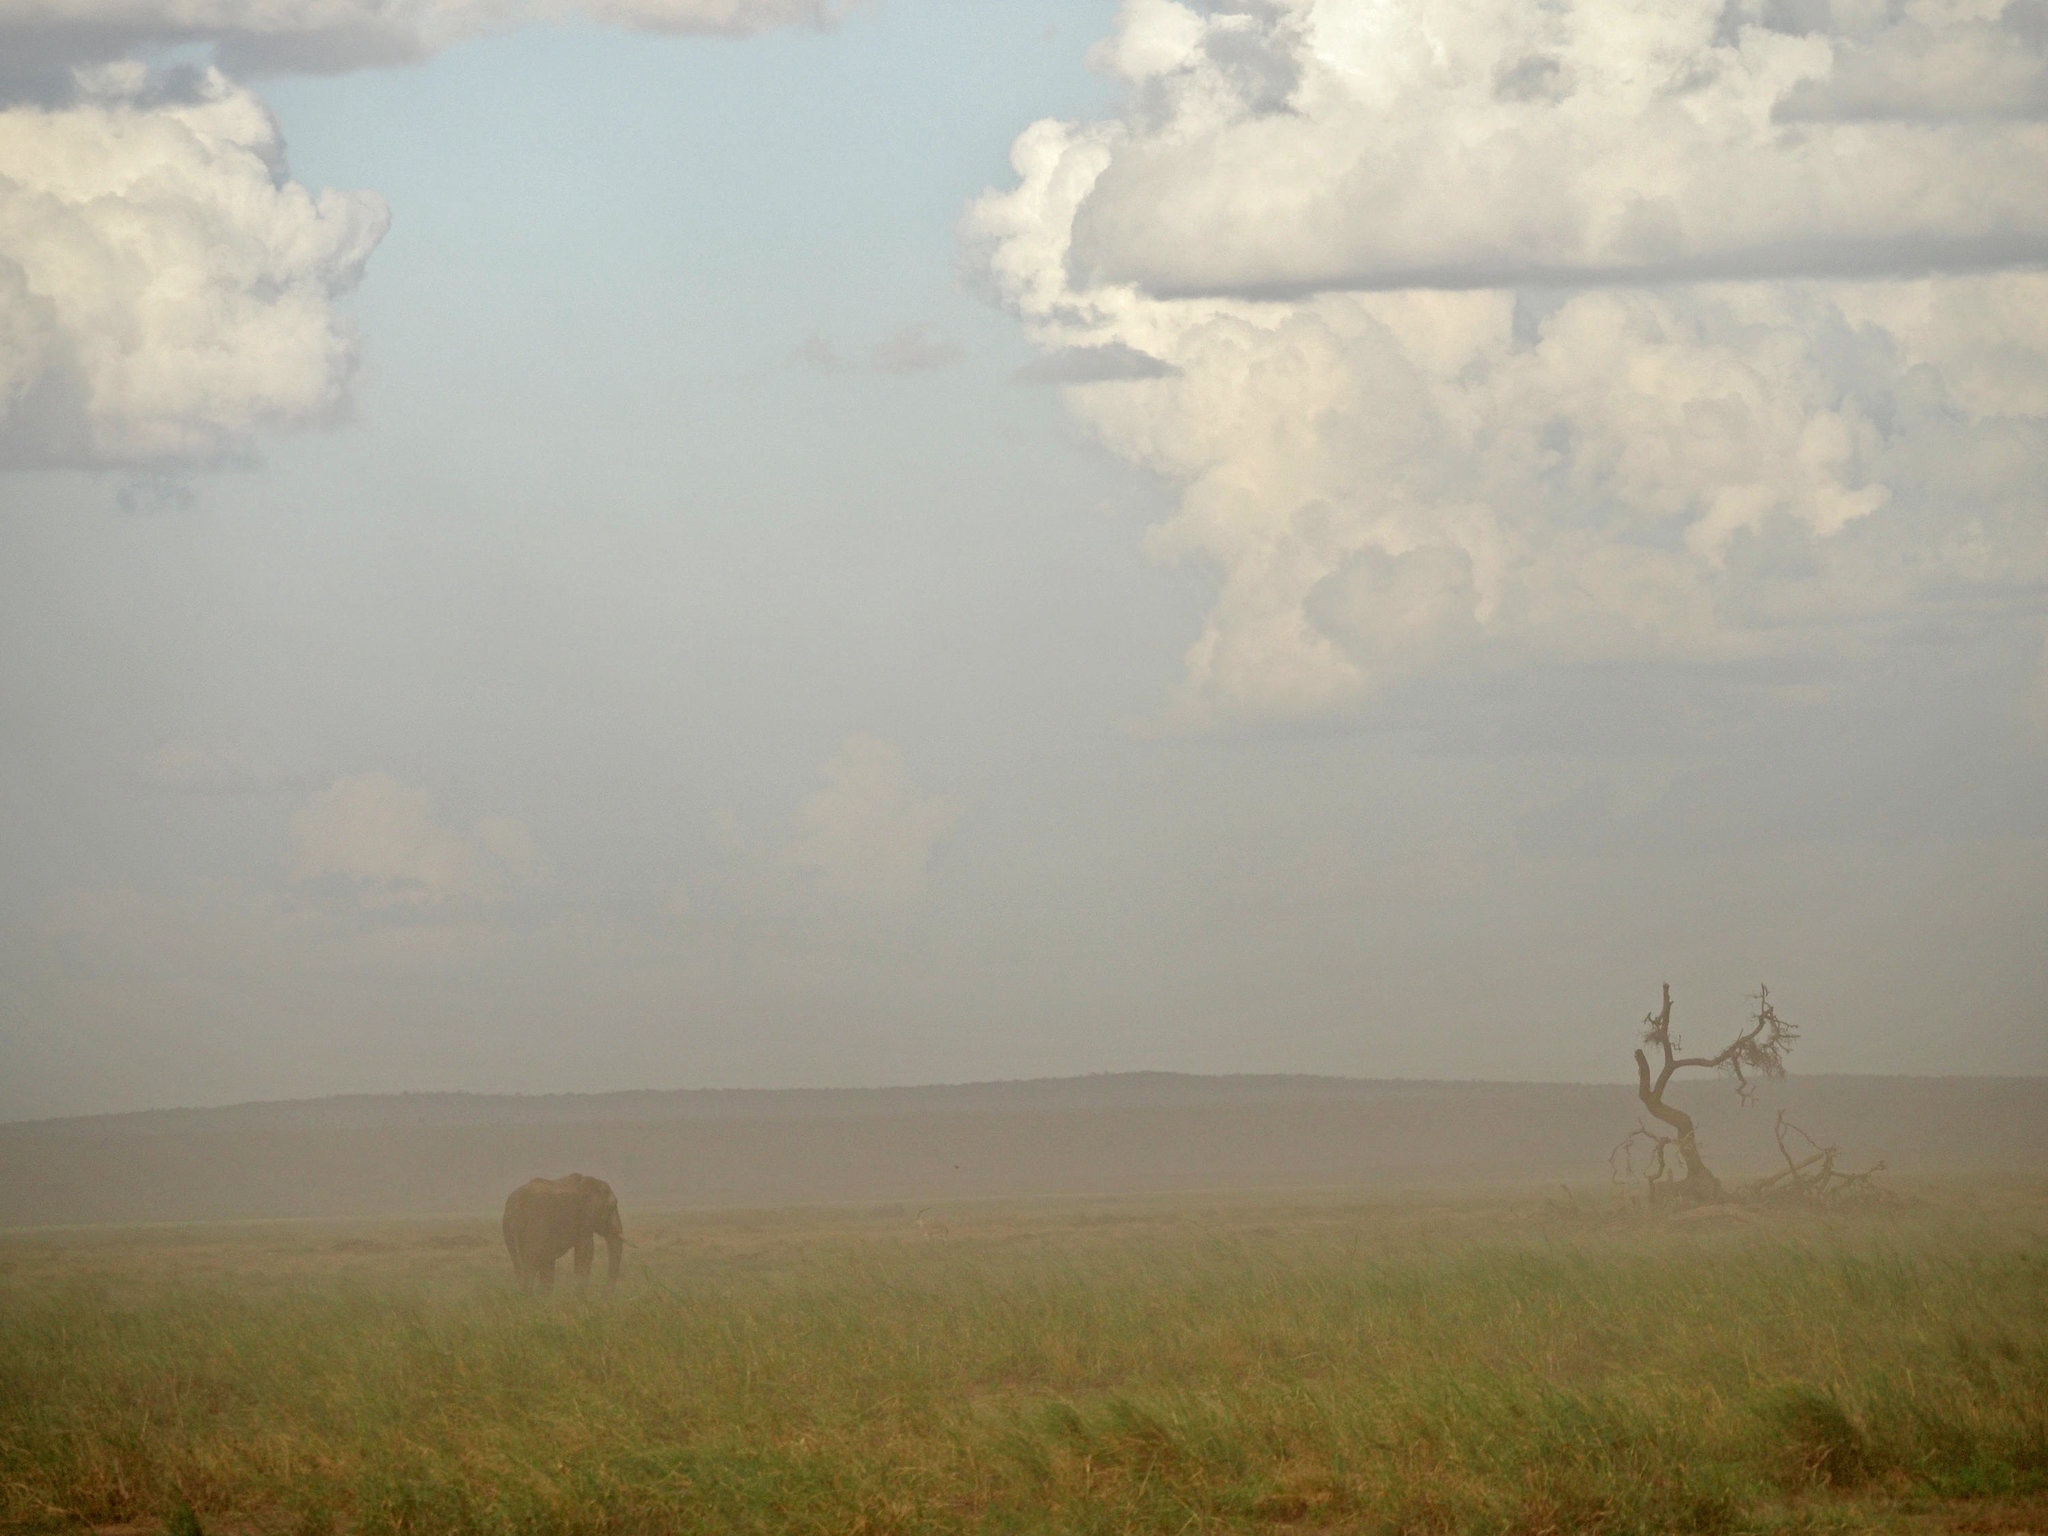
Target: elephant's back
x,y
526,1198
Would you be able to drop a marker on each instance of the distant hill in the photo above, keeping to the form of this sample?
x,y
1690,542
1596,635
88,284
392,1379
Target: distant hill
x,y
1128,1133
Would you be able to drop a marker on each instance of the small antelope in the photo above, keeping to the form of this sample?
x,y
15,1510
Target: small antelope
x,y
932,1230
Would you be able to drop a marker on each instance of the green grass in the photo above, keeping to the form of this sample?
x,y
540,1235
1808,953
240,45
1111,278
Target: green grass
x,y
1465,1367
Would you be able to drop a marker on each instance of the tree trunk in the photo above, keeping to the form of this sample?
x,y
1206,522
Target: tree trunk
x,y
1699,1186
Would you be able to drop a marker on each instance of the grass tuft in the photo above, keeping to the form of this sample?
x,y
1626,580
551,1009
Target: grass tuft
x,y
1822,1445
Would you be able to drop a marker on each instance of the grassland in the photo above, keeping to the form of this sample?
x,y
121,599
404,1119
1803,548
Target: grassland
x,y
1501,1366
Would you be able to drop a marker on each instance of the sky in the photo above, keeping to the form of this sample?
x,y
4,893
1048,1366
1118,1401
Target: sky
x,y
565,545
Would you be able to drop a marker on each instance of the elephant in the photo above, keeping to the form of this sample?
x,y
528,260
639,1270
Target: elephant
x,y
546,1218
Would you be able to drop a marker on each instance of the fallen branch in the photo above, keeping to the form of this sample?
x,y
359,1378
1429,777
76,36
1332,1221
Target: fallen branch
x,y
1813,1178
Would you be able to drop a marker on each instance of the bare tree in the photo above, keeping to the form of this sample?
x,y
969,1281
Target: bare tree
x,y
1757,1052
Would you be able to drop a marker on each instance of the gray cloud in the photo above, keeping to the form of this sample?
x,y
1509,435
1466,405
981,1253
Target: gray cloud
x,y
1109,363
1918,254
818,354
43,41
715,18
913,348
149,495
1536,77
1912,69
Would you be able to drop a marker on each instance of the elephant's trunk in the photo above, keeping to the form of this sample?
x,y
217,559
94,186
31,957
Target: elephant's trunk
x,y
615,1253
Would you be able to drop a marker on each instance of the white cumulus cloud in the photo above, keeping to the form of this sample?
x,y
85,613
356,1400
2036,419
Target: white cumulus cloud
x,y
165,291
868,833
382,837
1321,144
1487,334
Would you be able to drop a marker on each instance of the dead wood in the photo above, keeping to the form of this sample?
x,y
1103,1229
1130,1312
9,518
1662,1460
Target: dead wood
x,y
1810,1176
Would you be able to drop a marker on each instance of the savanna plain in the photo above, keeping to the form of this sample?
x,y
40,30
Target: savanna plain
x,y
1549,1363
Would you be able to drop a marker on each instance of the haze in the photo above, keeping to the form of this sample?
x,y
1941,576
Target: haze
x,y
711,543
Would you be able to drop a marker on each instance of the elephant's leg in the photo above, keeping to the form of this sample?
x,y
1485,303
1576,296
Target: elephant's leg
x,y
544,1276
586,1253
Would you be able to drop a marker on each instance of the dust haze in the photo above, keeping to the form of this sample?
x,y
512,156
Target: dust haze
x,y
1122,1135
